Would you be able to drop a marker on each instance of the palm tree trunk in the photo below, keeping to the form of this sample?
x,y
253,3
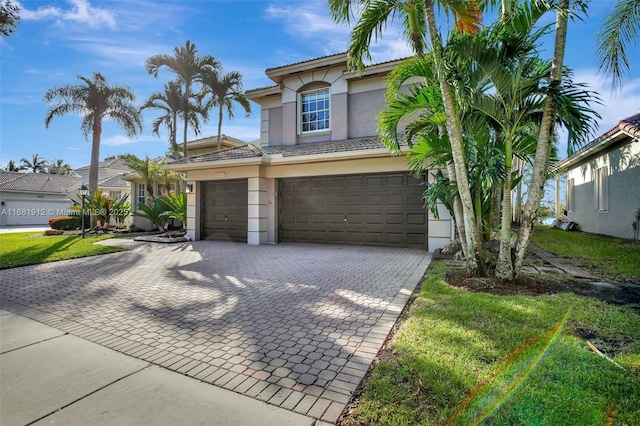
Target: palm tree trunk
x,y
454,129
95,157
185,109
504,267
220,126
543,149
457,214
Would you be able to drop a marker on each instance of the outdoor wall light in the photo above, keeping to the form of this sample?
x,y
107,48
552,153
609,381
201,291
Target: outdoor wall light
x,y
189,188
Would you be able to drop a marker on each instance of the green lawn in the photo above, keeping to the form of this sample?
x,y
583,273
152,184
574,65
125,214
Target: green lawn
x,y
613,258
22,249
462,358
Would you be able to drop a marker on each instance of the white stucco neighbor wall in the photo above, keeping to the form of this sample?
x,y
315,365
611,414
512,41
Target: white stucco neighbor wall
x,y
30,208
623,191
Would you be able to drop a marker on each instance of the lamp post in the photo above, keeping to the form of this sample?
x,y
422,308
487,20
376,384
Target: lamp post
x,y
84,191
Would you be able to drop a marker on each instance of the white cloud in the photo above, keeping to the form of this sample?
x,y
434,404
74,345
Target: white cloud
x,y
81,11
315,23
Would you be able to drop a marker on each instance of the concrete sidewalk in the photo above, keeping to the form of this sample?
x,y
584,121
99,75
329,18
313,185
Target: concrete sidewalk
x,y
48,376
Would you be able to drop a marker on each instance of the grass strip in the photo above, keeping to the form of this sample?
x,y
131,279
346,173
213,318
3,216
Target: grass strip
x,y
611,257
21,249
463,357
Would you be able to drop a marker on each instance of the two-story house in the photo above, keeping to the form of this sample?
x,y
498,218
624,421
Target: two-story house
x,y
320,174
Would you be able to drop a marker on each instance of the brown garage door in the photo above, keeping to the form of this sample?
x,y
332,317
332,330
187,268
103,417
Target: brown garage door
x,y
376,210
224,210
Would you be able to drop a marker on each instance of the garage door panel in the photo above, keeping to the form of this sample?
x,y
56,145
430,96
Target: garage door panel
x,y
416,219
224,210
380,209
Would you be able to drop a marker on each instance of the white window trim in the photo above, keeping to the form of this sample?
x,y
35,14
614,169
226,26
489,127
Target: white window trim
x,y
299,113
571,195
142,193
602,189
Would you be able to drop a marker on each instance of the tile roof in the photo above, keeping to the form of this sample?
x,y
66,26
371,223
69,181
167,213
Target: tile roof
x,y
38,182
324,147
315,148
629,125
112,163
305,61
235,153
114,182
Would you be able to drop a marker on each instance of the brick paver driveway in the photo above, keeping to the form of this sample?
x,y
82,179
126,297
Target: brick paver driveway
x,y
292,324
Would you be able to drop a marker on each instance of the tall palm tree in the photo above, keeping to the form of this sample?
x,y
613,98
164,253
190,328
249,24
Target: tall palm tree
x,y
620,28
225,91
95,100
59,167
171,102
467,18
189,66
37,164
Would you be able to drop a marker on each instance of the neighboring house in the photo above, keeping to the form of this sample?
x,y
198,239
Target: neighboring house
x,y
210,144
34,198
319,173
603,182
110,180
141,195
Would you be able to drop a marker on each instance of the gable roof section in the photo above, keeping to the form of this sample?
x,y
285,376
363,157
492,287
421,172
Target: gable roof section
x,y
112,163
114,182
277,74
213,141
38,182
627,127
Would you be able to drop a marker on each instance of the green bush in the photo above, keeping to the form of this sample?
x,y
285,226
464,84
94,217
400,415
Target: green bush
x,y
65,223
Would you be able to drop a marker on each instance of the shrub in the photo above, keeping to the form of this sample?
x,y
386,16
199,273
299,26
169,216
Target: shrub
x,y
65,223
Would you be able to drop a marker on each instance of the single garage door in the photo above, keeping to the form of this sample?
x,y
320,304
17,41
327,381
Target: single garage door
x,y
224,210
373,210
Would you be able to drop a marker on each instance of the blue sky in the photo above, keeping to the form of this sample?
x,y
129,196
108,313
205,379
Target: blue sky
x,y
58,40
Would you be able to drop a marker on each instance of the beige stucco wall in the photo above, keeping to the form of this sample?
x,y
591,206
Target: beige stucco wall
x,y
623,162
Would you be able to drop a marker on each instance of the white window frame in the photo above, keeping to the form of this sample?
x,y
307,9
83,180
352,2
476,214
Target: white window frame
x,y
142,194
302,112
602,189
114,195
571,195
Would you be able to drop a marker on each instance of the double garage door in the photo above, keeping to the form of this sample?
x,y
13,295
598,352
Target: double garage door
x,y
371,210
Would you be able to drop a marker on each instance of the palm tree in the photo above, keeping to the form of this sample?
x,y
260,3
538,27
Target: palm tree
x,y
95,100
59,167
13,167
225,91
36,165
144,169
9,18
171,102
189,66
620,28
467,19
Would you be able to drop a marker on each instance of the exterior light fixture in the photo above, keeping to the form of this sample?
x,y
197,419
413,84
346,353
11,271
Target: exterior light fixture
x,y
189,188
84,191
